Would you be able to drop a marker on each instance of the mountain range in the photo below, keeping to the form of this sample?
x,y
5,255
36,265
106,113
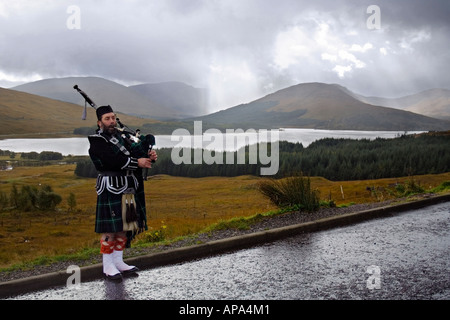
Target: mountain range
x,y
323,106
170,100
306,105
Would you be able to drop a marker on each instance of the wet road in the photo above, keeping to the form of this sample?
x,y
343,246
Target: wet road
x,y
402,257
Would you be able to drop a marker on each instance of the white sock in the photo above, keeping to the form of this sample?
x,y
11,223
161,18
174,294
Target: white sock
x,y
109,267
118,261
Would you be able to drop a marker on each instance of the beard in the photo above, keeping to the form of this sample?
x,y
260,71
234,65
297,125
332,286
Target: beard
x,y
111,130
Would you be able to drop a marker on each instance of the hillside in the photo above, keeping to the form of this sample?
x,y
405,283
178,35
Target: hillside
x,y
23,114
102,92
320,106
168,100
185,100
433,103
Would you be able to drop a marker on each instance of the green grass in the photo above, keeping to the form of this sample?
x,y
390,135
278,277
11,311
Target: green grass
x,y
84,254
444,186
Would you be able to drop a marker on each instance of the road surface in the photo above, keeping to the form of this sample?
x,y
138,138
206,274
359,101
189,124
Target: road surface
x,y
406,256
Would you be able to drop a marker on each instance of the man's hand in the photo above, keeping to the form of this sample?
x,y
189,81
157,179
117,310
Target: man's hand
x,y
147,162
152,155
144,163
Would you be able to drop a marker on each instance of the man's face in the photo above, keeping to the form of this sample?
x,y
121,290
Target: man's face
x,y
108,123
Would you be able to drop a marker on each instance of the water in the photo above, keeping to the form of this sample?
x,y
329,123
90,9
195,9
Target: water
x,y
406,256
80,146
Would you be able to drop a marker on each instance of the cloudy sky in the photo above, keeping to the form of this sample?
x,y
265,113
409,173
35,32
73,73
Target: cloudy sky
x,y
239,49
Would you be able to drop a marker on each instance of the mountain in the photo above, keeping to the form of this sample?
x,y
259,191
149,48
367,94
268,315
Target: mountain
x,y
102,92
433,103
184,99
27,114
320,106
307,105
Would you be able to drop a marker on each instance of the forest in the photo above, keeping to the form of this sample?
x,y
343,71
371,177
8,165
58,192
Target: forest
x,y
333,159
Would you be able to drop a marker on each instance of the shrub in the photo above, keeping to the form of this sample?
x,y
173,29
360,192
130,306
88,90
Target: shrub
x,y
155,235
47,199
442,187
30,198
292,191
50,155
410,187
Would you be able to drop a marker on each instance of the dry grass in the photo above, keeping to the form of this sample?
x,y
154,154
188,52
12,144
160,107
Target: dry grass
x,y
182,205
363,191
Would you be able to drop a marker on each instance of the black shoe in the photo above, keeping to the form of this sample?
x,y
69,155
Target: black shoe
x,y
114,277
131,271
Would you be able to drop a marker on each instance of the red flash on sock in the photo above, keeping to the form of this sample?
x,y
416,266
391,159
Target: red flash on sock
x,y
120,243
107,247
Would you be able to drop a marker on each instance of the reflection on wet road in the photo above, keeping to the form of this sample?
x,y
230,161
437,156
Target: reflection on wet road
x,y
402,257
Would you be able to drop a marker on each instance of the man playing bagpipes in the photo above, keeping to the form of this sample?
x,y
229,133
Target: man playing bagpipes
x,y
120,213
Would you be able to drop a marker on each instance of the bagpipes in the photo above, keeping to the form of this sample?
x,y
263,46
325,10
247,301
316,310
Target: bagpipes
x,y
129,135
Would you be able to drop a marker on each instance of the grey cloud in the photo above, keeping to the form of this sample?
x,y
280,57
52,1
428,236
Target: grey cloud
x,y
234,47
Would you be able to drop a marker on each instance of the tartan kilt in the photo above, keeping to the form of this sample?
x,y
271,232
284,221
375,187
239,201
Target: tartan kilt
x,y
108,217
109,212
